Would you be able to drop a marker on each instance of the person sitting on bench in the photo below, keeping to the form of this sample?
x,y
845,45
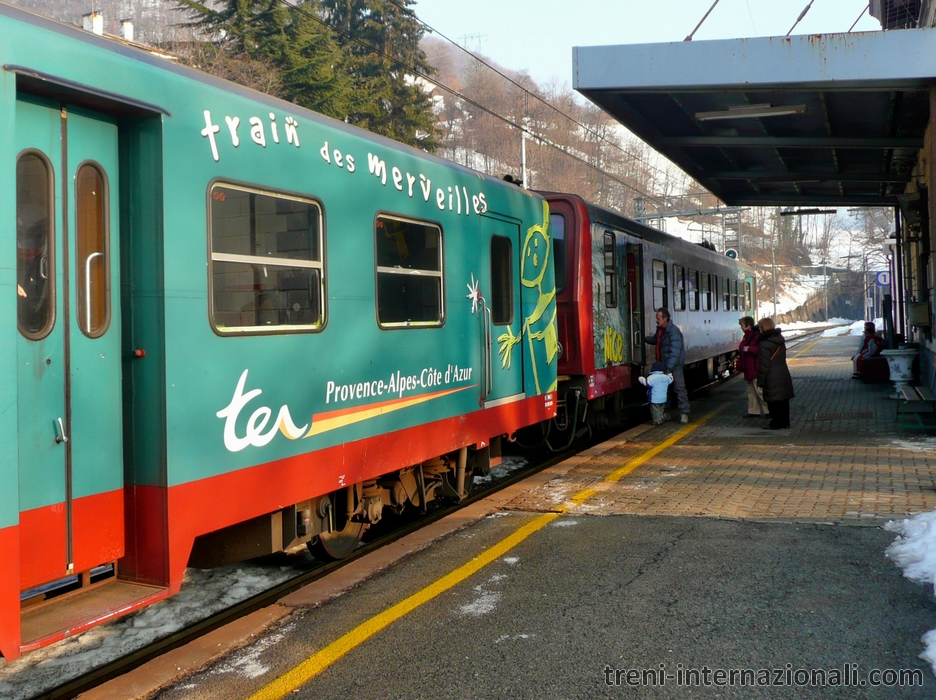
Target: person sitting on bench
x,y
871,346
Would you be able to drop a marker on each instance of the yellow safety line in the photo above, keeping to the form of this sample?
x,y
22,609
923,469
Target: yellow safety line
x,y
315,664
815,342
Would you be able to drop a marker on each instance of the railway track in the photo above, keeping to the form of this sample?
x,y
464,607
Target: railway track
x,y
119,666
382,535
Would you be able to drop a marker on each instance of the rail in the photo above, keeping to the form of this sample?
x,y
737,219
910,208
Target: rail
x,y
135,659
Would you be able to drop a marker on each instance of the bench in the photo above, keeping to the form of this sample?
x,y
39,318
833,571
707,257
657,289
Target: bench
x,y
916,408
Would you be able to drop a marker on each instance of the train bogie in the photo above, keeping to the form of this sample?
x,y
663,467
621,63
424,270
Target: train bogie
x,y
238,326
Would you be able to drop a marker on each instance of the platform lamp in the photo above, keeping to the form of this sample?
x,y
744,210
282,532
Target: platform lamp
x,y
756,111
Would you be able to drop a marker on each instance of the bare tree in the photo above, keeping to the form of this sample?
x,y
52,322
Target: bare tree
x,y
866,240
256,73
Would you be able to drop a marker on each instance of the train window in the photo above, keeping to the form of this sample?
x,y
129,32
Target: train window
x,y
557,227
748,297
679,288
409,273
267,272
706,289
726,294
659,284
35,268
714,292
92,255
692,289
610,272
734,295
501,281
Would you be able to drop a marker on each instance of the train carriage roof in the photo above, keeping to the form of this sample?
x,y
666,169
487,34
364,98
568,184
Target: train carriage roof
x,y
835,119
607,217
86,95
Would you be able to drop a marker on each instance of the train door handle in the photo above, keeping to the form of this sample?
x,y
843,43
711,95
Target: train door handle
x,y
60,435
489,354
487,341
88,300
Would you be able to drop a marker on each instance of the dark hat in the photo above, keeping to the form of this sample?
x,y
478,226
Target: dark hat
x,y
656,367
869,326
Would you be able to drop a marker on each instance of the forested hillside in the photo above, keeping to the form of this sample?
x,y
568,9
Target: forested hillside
x,y
372,64
155,21
476,122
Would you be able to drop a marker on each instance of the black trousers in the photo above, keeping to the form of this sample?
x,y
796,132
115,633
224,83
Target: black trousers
x,y
779,413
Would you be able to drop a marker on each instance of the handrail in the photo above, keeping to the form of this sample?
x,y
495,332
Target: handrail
x,y
486,349
88,289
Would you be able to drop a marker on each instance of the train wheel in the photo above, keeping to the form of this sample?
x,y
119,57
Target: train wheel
x,y
345,535
453,482
339,544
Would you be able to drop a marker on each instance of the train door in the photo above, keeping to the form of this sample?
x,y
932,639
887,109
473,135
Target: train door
x,y
633,254
68,344
609,300
501,290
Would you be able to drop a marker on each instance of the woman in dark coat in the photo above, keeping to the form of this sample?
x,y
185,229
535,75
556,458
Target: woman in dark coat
x,y
774,375
748,365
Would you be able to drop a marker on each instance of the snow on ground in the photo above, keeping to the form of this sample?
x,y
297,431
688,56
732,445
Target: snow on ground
x,y
207,591
844,327
506,468
204,592
914,551
841,327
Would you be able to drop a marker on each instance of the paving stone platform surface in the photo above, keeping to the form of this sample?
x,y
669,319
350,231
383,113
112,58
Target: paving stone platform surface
x,y
842,460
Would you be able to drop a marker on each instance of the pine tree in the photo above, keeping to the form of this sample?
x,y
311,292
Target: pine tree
x,y
311,61
349,59
288,37
382,40
235,23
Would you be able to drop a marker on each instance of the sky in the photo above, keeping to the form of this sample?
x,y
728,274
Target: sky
x,y
538,35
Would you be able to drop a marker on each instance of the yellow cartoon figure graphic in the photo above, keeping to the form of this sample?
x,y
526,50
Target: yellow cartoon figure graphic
x,y
540,325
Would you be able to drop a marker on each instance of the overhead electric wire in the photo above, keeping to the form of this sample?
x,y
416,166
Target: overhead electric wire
x,y
801,15
475,103
704,17
863,10
536,97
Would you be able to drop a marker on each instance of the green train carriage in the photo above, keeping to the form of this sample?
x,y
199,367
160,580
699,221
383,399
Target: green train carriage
x,y
233,325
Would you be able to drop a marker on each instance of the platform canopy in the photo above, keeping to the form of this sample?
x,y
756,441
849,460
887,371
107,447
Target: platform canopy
x,y
832,119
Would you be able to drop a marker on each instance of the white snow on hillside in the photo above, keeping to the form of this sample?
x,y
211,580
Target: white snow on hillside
x,y
790,295
793,294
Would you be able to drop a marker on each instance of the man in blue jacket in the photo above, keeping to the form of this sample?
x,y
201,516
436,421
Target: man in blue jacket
x,y
671,351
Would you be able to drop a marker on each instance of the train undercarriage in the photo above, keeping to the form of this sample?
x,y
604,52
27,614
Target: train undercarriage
x,y
332,525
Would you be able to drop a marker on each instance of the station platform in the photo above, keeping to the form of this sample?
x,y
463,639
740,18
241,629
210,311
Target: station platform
x,y
679,553
844,458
